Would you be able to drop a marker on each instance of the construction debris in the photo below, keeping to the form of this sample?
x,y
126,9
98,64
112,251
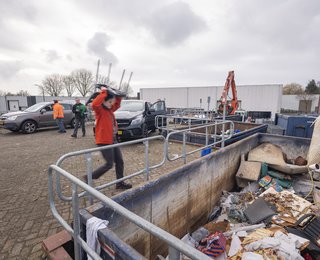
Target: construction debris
x,y
286,223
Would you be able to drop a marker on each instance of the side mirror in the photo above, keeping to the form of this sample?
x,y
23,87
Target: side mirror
x,y
43,110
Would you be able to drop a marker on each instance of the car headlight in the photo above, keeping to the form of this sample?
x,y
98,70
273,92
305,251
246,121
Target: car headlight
x,y
11,118
137,120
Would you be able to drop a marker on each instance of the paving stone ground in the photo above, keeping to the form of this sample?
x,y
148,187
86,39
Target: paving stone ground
x,y
25,216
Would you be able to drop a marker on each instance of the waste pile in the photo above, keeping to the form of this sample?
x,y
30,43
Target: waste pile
x,y
272,214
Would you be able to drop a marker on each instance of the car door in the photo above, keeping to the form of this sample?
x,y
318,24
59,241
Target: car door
x,y
158,108
46,116
68,114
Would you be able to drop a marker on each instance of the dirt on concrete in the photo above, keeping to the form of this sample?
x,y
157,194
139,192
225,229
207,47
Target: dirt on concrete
x,y
25,215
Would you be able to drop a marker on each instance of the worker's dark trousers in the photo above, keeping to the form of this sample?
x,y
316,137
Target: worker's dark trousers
x,y
110,155
78,122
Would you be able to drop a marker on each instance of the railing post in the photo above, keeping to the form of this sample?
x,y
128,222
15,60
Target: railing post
x,y
76,222
88,157
146,144
162,121
223,122
207,135
215,133
184,149
174,254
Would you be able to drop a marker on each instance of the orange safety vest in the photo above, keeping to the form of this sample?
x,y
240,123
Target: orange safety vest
x,y
57,111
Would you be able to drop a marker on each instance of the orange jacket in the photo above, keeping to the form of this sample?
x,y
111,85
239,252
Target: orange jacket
x,y
104,119
57,111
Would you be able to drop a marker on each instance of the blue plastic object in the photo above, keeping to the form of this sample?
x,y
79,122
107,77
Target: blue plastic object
x,y
205,152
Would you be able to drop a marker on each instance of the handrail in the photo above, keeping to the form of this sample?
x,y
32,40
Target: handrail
x,y
88,157
164,119
185,131
175,245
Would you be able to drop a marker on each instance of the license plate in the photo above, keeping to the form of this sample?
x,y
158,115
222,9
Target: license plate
x,y
1,122
119,132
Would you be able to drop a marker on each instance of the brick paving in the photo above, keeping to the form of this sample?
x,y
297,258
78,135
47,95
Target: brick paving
x,y
25,216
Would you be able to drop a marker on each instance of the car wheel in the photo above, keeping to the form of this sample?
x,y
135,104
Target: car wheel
x,y
144,130
73,123
29,127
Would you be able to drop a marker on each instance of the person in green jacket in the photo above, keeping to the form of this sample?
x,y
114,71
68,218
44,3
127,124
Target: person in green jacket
x,y
79,111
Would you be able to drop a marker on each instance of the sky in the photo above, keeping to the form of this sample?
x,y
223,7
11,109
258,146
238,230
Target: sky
x,y
164,43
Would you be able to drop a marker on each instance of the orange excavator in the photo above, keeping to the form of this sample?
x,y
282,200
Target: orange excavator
x,y
233,104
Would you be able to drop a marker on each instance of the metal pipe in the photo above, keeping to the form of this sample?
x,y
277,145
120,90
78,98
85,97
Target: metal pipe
x,y
76,221
146,143
171,240
184,148
92,150
130,78
88,157
124,71
97,73
109,72
62,221
223,119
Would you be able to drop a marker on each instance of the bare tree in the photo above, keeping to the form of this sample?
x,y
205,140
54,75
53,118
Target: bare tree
x,y
126,88
68,85
292,89
23,93
52,85
83,81
6,93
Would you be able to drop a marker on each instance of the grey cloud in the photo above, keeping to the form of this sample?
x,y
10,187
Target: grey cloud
x,y
282,25
98,45
174,23
14,10
17,9
8,69
51,55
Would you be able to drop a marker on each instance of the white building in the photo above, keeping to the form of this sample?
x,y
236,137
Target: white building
x,y
252,97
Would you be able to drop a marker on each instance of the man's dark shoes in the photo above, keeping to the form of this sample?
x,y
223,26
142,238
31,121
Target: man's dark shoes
x,y
123,185
74,136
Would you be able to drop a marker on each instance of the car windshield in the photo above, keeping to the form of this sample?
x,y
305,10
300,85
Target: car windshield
x,y
34,108
132,106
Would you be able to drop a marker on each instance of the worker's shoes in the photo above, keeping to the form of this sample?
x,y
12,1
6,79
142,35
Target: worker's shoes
x,y
74,136
123,185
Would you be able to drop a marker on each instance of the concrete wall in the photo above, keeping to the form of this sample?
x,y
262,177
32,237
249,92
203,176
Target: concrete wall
x,y
292,102
180,201
190,96
3,105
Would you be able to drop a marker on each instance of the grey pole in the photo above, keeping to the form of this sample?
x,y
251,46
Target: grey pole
x,y
97,74
124,71
109,72
130,78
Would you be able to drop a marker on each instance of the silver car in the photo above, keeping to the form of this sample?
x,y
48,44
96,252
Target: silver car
x,y
37,116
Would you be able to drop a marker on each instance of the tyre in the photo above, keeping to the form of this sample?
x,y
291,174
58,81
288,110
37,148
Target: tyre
x,y
73,123
29,127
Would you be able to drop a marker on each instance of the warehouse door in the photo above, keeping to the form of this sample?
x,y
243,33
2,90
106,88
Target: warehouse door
x,y
13,105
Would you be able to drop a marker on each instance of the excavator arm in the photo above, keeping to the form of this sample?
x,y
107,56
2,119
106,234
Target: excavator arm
x,y
231,105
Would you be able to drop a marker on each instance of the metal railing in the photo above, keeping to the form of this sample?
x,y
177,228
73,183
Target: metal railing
x,y
175,245
184,132
88,157
164,122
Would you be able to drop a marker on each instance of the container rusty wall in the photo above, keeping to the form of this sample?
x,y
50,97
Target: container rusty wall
x,y
180,202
